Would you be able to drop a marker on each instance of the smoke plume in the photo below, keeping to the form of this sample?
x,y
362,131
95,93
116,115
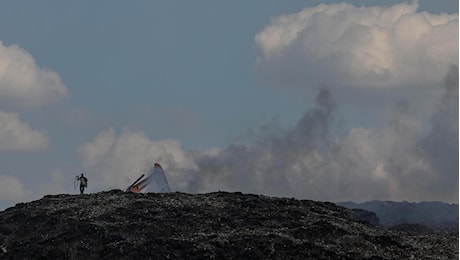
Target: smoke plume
x,y
396,162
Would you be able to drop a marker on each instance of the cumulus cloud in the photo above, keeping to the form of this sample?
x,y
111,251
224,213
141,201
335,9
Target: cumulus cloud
x,y
12,190
23,84
18,136
345,45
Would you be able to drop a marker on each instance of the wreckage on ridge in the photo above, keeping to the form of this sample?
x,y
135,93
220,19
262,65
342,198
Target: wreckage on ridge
x,y
153,181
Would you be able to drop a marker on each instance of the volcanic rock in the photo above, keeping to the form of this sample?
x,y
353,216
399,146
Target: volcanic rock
x,y
220,225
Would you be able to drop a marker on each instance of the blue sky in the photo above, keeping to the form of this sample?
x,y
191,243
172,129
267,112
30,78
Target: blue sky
x,y
192,73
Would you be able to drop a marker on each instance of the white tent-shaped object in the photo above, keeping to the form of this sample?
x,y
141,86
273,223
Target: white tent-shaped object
x,y
153,181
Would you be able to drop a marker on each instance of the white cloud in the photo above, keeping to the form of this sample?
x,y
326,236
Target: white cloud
x,y
344,45
23,84
18,136
12,190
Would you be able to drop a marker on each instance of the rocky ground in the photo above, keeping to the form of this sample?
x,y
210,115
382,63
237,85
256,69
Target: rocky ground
x,y
118,225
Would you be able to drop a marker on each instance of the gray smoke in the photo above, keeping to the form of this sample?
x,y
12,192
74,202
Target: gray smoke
x,y
441,144
309,161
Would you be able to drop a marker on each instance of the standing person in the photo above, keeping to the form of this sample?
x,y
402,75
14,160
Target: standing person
x,y
83,182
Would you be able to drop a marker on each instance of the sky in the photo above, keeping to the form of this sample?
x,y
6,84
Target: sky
x,y
321,100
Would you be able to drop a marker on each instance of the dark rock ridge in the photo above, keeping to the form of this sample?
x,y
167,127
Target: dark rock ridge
x,y
436,216
368,216
220,225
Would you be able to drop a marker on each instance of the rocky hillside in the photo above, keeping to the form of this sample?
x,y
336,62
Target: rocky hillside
x,y
118,225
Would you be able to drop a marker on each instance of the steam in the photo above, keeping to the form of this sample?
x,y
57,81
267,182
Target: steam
x,y
396,162
275,163
403,160
441,144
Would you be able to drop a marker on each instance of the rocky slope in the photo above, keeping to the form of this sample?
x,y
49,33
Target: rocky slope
x,y
118,225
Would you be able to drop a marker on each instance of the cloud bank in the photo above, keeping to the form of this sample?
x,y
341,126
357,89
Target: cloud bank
x,y
347,46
